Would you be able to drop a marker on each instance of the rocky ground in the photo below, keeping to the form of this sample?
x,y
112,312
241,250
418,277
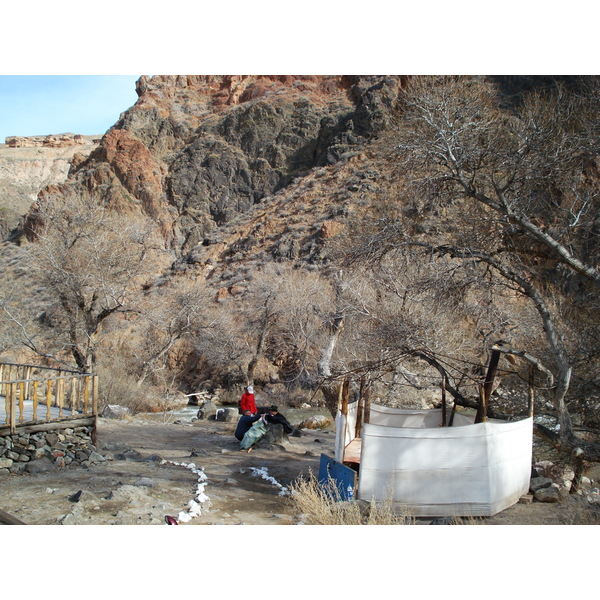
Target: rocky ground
x,y
154,467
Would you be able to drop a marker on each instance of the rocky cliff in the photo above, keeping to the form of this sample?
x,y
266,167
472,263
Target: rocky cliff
x,y
195,152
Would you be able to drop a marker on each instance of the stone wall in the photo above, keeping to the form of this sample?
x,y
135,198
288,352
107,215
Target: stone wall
x,y
47,450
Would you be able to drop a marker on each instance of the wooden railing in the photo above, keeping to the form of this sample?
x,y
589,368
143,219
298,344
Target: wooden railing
x,y
36,395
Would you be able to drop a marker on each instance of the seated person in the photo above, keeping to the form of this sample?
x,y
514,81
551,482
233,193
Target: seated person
x,y
274,416
246,421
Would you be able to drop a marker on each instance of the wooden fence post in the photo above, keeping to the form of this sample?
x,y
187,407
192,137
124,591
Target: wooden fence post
x,y
21,400
86,394
11,396
48,398
35,399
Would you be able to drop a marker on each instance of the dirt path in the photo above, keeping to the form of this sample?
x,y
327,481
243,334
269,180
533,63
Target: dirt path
x,y
155,469
137,487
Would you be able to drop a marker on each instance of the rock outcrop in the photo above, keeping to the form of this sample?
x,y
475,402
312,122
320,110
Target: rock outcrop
x,y
195,152
29,164
62,140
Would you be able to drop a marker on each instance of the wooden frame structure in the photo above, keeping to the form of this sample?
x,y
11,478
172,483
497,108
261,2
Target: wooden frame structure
x,y
34,398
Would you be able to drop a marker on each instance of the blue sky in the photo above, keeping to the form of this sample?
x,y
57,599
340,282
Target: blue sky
x,y
51,104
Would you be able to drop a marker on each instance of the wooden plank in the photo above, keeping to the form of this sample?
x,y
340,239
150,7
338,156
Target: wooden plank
x,y
352,451
64,423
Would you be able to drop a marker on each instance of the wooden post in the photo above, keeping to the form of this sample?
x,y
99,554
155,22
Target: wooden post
x,y
27,381
95,408
11,396
48,398
6,404
21,400
361,403
367,407
344,396
95,394
488,384
531,396
60,395
86,394
35,399
443,402
73,394
452,413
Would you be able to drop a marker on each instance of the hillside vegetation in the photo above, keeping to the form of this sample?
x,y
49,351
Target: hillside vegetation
x,y
293,232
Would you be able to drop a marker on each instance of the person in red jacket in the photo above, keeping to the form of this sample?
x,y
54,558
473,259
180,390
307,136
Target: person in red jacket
x,y
247,401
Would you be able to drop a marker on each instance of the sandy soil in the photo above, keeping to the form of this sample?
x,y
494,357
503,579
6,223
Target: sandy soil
x,y
142,489
136,486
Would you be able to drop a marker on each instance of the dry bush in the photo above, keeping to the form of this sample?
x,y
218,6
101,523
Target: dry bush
x,y
116,386
321,505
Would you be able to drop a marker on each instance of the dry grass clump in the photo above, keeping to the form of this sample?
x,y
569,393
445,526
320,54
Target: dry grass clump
x,y
321,505
119,387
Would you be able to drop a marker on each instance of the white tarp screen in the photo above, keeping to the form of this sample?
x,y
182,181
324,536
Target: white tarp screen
x,y
472,469
403,417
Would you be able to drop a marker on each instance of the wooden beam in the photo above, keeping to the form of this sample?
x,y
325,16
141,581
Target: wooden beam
x,y
64,423
6,519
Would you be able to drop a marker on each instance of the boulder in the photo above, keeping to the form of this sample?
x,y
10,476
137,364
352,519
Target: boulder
x,y
315,422
228,415
207,410
538,483
40,465
547,494
275,435
115,411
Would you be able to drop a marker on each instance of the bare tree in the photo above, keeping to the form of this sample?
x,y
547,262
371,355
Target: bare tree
x,y
517,194
181,312
88,261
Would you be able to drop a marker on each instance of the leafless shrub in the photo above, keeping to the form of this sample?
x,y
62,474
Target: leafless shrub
x,y
321,505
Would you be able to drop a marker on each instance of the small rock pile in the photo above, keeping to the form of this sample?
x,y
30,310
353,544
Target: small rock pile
x,y
44,451
549,482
